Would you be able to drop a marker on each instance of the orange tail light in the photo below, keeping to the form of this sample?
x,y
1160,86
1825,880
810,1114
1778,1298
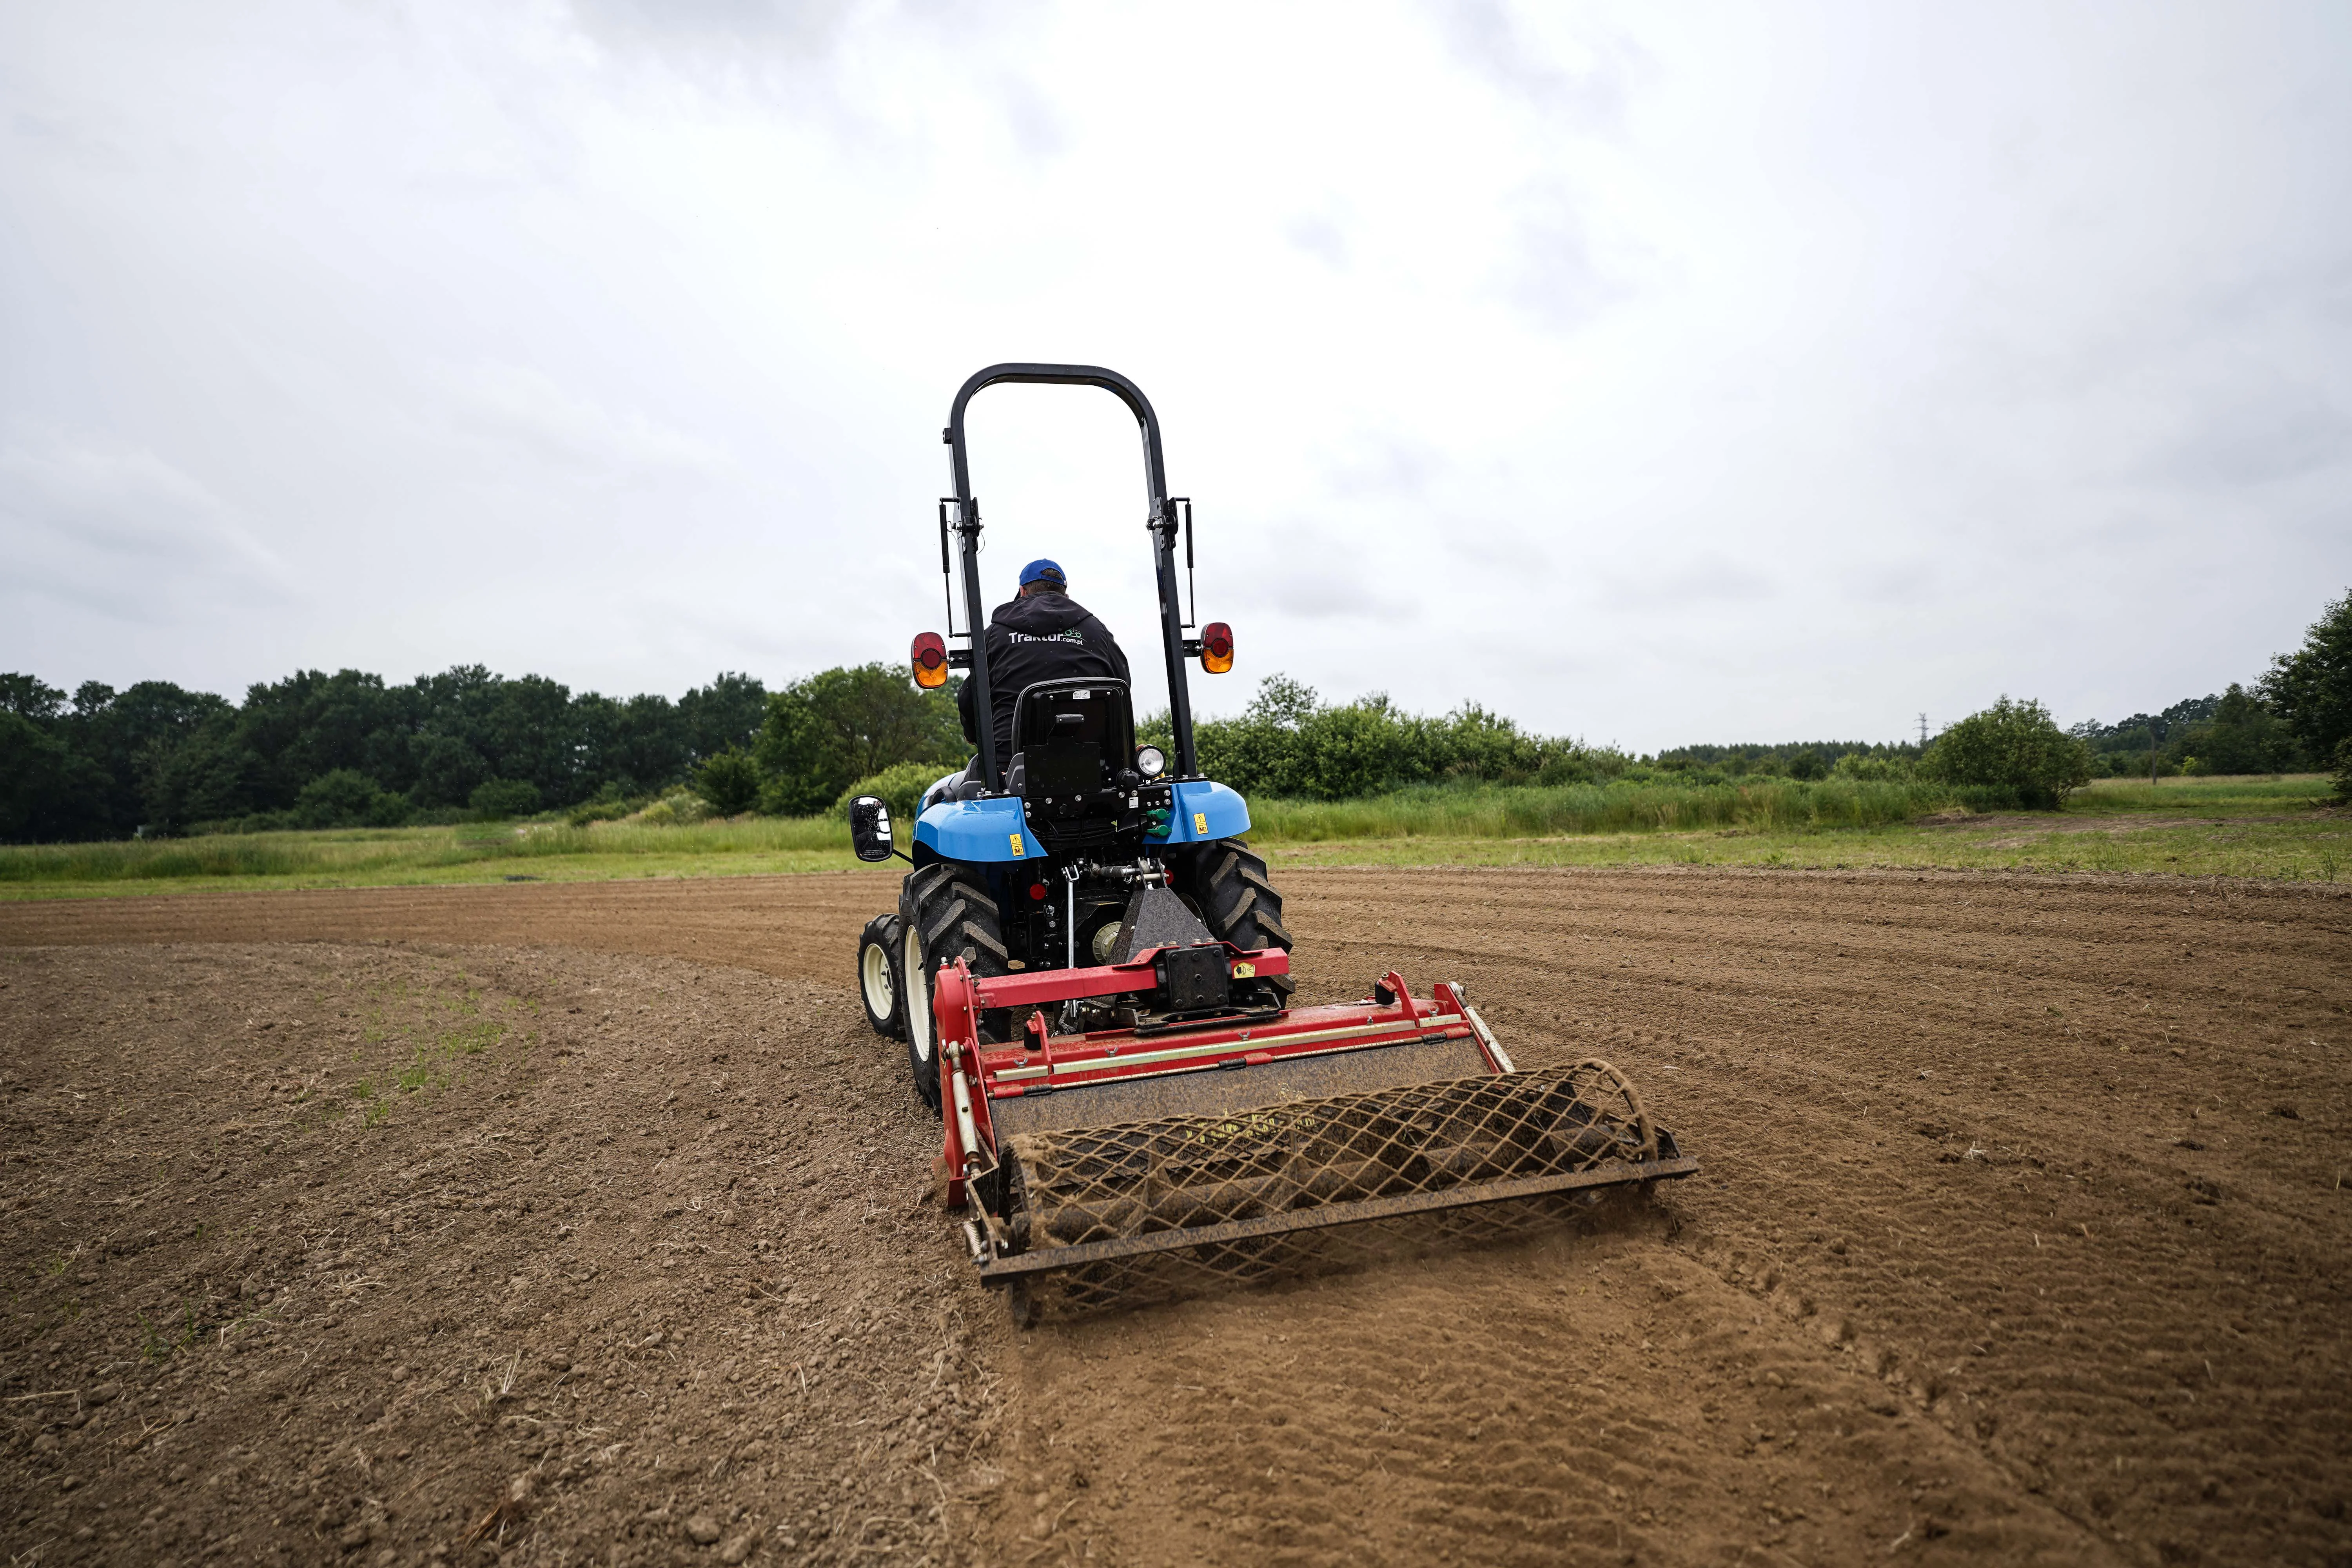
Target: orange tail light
x,y
930,656
1216,647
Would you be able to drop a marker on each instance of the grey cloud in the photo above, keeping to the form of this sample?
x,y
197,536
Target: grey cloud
x,y
1549,273
1320,238
515,411
1311,572
1690,581
2259,432
1485,37
120,533
1038,128
1387,466
807,29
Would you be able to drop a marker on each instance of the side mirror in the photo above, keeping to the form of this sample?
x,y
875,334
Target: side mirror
x,y
929,655
1216,647
869,829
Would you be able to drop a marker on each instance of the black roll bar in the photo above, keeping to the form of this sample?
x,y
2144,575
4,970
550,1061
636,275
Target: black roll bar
x,y
1161,522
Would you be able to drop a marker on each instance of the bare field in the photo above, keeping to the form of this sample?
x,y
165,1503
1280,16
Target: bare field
x,y
338,1219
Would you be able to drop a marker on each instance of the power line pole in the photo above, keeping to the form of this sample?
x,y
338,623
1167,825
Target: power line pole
x,y
1923,732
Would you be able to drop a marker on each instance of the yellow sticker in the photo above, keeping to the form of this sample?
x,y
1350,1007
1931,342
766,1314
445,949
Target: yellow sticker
x,y
1017,850
1244,971
1200,822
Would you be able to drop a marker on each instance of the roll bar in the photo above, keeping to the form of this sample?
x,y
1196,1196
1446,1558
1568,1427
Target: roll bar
x,y
1161,522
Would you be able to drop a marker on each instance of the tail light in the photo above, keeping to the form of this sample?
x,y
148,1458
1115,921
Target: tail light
x,y
1216,647
930,656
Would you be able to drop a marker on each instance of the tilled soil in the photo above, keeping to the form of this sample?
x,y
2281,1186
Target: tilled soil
x,y
337,1220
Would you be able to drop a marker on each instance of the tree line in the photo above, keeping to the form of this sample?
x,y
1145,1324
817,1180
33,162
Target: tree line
x,y
349,749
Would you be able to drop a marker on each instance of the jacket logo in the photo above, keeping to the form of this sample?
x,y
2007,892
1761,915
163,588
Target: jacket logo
x,y
1070,635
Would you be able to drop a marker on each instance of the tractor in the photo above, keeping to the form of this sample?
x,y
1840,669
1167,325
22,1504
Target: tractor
x,y
1090,972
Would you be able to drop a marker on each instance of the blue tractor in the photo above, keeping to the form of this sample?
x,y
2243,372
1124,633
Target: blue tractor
x,y
1081,848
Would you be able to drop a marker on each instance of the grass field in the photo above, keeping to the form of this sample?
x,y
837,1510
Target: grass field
x,y
2278,827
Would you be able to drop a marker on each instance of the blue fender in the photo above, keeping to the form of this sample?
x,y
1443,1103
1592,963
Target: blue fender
x,y
978,832
1204,810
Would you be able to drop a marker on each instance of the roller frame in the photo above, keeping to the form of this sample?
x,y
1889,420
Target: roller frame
x,y
982,1075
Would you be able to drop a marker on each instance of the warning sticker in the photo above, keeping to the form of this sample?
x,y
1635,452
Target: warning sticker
x,y
1200,822
1016,844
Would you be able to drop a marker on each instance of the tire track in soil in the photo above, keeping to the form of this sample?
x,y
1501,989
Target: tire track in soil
x,y
2007,1242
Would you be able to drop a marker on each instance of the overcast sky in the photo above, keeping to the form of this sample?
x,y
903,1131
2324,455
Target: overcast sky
x,y
1650,373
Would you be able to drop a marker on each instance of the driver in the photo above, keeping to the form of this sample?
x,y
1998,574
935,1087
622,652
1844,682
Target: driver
x,y
1043,634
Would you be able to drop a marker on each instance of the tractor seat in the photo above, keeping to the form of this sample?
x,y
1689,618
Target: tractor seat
x,y
1072,740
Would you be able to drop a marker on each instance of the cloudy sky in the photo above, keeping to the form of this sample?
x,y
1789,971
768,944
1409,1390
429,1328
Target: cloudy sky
x,y
1649,373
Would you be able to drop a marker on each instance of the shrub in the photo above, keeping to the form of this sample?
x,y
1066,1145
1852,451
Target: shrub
x,y
2015,746
679,806
346,797
494,800
1290,744
899,788
1864,768
729,781
2344,770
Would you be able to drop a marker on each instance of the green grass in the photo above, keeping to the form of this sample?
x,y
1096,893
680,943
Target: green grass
x,y
1534,812
2225,826
397,857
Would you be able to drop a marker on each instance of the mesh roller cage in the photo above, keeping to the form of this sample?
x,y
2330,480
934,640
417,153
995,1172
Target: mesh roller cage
x,y
1120,1214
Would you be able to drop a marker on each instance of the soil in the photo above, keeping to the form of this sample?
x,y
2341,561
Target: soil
x,y
558,1223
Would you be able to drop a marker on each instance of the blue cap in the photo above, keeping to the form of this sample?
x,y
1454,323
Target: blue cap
x,y
1043,571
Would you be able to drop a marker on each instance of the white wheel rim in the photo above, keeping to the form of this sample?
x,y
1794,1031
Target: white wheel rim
x,y
918,997
875,971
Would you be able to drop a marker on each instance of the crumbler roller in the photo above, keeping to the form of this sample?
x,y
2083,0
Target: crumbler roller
x,y
1114,1164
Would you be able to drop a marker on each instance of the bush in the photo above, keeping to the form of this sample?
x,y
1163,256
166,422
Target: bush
x,y
1289,744
1864,768
679,806
2014,746
494,800
729,781
900,788
346,797
2344,770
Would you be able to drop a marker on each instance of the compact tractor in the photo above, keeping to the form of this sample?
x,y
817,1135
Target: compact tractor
x,y
1089,968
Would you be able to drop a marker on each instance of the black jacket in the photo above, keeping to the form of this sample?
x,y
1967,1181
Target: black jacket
x,y
1046,636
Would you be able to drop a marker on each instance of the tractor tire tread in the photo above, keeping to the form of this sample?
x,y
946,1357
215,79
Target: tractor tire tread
x,y
948,908
1240,902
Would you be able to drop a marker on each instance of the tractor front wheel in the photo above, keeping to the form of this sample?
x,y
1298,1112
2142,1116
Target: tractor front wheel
x,y
879,983
945,913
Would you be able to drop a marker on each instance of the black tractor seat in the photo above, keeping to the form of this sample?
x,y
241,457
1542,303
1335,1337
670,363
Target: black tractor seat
x,y
1074,761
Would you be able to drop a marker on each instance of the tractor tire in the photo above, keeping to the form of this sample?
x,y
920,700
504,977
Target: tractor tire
x,y
945,913
1237,901
879,983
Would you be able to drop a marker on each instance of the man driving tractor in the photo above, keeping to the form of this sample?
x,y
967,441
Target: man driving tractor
x,y
1041,635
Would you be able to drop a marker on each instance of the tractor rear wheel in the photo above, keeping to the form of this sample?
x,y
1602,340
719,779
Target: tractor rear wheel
x,y
945,912
878,985
1237,901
